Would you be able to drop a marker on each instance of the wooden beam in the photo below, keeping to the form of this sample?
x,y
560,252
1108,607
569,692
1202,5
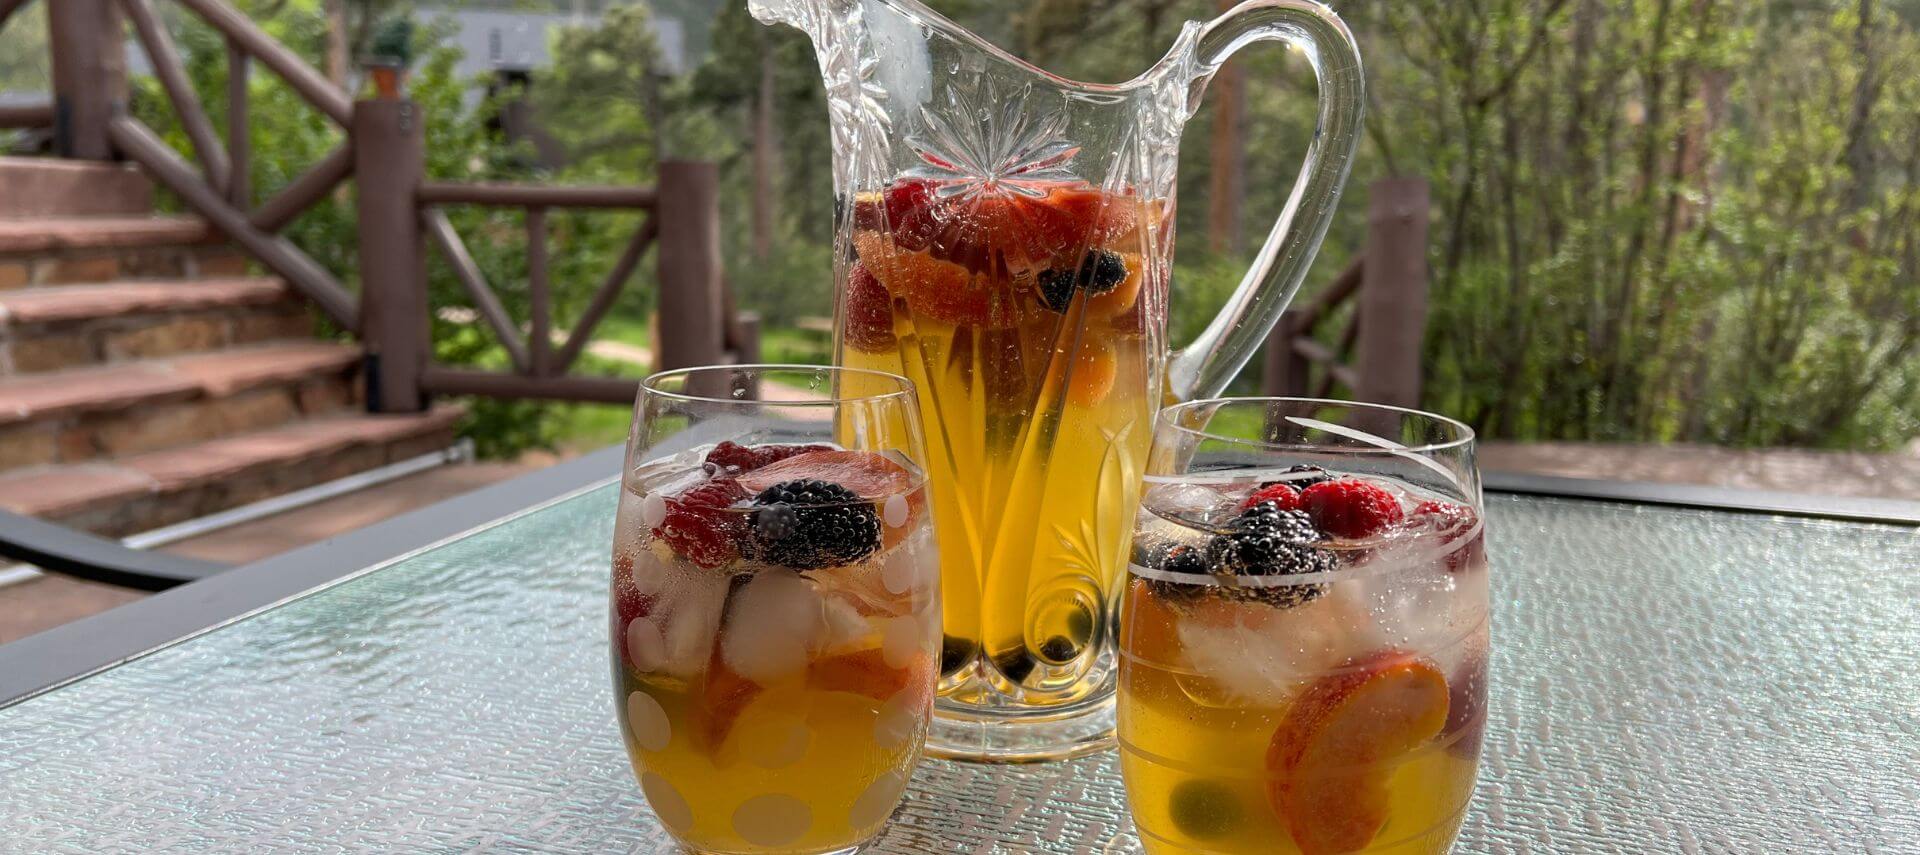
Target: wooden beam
x,y
239,147
1324,303
139,143
1393,298
172,72
540,300
609,291
89,76
8,7
454,250
534,195
300,194
278,58
33,114
690,313
390,146
441,380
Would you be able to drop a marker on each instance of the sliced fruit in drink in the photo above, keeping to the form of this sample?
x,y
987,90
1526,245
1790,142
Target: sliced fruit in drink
x,y
1341,741
937,289
722,695
866,673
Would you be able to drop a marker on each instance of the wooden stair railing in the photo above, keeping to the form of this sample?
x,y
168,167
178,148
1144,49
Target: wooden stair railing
x,y
1377,355
399,212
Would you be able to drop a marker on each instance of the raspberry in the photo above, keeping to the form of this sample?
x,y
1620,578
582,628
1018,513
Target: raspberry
x,y
1280,494
1350,508
732,458
868,325
628,602
810,524
1452,521
698,525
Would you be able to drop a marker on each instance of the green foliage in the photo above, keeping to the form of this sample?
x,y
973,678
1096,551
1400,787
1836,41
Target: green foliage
x,y
1652,220
392,42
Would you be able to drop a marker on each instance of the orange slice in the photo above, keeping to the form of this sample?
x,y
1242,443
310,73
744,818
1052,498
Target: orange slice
x,y
941,290
1333,753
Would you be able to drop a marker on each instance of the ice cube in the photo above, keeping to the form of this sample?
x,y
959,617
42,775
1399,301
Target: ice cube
x,y
1417,606
1260,654
773,621
687,610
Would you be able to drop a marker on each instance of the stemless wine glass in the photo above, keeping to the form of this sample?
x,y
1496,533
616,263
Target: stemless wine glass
x,y
1304,632
775,604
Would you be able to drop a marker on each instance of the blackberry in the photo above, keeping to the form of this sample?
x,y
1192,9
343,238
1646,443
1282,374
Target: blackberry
x,y
809,524
1059,650
1319,476
955,653
1267,541
1185,559
1099,272
1015,664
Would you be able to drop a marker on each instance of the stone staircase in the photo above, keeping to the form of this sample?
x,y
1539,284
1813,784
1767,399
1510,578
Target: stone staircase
x,y
148,376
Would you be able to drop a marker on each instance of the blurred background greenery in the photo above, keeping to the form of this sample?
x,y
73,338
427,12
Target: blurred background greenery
x,y
1653,220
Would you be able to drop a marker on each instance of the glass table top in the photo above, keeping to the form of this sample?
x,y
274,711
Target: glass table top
x,y
1664,680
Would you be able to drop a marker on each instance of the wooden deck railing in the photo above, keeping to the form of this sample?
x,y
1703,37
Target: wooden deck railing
x,y
399,212
1376,356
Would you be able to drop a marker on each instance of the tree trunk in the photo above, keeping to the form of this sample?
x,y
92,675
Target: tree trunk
x,y
765,155
337,42
1227,186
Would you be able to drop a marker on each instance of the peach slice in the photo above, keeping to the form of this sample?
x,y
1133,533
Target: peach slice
x,y
721,697
1338,744
866,672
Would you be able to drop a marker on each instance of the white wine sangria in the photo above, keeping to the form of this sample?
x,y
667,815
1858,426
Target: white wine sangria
x,y
775,633
1030,325
1304,652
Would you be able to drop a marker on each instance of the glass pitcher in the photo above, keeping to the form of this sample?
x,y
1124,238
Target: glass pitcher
x,y
1004,237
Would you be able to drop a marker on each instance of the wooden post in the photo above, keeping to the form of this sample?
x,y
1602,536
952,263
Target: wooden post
x,y
1393,293
389,150
746,351
1284,371
691,319
89,75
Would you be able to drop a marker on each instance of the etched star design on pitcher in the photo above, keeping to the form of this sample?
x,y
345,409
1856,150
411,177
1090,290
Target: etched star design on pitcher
x,y
981,142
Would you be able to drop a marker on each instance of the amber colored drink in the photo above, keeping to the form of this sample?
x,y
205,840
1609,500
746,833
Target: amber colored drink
x,y
1028,319
1286,689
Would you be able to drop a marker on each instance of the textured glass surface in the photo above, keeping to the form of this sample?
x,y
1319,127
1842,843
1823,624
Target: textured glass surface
x,y
1664,681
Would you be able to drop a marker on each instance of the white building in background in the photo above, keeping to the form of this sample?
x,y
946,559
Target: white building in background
x,y
497,38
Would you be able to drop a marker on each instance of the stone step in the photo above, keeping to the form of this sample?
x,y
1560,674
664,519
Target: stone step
x,y
62,234
74,250
143,491
47,329
51,187
74,416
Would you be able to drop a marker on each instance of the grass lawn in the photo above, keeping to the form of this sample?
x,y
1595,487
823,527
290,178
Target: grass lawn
x,y
582,427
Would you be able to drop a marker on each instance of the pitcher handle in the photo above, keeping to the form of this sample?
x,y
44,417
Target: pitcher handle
x,y
1204,368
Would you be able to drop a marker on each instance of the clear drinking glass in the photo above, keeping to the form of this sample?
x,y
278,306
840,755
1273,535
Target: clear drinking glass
x,y
1304,631
775,605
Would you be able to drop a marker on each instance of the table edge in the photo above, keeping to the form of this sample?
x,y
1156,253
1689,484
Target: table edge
x,y
47,660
